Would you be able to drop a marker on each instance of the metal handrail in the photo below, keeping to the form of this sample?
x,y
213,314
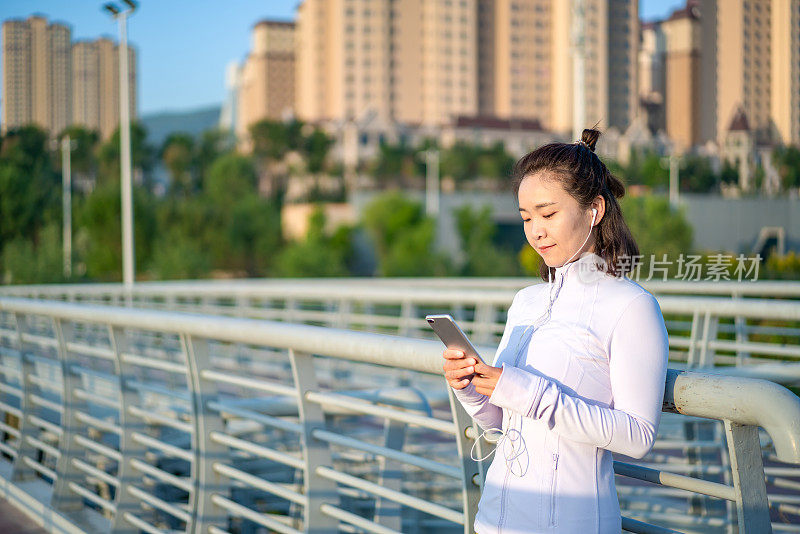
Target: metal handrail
x,y
732,400
787,289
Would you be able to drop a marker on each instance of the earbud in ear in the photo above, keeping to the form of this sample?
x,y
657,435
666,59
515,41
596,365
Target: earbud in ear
x,y
594,215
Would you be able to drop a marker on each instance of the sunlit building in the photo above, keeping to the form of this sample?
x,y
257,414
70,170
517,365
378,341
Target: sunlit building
x,y
95,85
410,61
266,81
682,70
36,74
756,60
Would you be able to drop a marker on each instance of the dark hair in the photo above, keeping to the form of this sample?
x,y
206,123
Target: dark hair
x,y
581,173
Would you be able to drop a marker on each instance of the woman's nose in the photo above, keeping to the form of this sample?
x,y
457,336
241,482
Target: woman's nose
x,y
538,231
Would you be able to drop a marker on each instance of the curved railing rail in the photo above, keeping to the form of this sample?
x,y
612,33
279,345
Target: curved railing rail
x,y
124,419
776,289
759,335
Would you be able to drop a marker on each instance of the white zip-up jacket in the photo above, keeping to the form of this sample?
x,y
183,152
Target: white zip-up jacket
x,y
584,361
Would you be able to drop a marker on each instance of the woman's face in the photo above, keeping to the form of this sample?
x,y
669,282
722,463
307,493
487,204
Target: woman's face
x,y
555,225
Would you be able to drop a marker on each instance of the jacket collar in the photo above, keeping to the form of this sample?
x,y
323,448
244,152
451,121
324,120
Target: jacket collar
x,y
585,264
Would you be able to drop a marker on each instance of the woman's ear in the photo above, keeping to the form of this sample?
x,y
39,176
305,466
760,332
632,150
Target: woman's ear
x,y
599,203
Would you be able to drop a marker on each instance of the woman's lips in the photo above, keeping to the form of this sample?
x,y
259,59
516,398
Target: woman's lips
x,y
543,249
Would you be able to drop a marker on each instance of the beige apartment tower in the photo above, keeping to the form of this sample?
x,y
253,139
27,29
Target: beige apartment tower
x,y
682,68
95,85
266,89
515,59
36,74
410,61
753,64
785,65
594,64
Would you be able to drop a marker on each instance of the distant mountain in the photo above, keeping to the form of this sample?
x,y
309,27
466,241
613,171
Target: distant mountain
x,y
160,125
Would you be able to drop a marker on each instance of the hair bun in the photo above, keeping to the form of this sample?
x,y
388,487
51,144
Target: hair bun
x,y
589,137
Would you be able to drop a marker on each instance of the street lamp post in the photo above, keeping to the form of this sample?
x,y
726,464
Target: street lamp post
x,y
673,163
121,16
432,182
66,199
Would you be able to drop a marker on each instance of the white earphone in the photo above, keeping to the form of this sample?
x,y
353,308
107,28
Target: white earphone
x,y
594,216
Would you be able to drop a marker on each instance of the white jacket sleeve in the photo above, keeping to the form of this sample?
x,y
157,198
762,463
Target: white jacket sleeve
x,y
638,364
477,405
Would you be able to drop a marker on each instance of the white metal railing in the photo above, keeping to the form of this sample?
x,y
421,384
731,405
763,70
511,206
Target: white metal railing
x,y
118,418
760,336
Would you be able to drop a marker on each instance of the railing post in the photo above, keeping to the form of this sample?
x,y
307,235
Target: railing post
x,y
20,470
473,475
387,512
63,498
710,327
318,490
408,313
206,481
697,325
125,502
747,469
484,320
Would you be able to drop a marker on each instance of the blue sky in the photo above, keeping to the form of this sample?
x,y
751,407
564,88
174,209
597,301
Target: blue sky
x,y
184,46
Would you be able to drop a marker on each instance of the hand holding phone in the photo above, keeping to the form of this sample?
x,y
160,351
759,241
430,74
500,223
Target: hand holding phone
x,y
459,369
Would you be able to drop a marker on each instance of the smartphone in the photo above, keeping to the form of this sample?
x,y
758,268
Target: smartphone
x,y
451,335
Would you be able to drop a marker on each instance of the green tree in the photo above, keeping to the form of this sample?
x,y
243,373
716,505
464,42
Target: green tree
x,y
697,176
274,139
231,177
100,235
84,150
787,161
396,162
254,234
460,161
316,147
29,261
183,246
318,254
142,154
403,237
30,189
212,144
483,258
657,227
729,174
178,154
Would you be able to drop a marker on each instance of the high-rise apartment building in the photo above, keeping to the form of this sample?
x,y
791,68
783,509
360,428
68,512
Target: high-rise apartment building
x,y
743,64
267,82
682,68
651,72
515,59
755,59
594,65
36,74
411,61
785,65
85,84
53,83
95,85
429,62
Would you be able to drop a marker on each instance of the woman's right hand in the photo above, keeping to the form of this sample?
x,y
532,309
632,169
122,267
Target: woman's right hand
x,y
458,370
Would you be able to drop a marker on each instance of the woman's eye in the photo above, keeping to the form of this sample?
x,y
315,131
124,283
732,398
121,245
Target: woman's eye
x,y
550,215
526,220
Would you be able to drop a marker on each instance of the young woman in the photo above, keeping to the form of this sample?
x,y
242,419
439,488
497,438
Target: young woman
x,y
580,369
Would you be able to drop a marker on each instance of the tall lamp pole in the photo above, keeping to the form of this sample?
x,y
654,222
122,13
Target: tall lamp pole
x,y
121,16
431,182
66,199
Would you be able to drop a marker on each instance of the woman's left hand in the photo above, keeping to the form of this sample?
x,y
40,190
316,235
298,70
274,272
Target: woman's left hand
x,y
486,378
